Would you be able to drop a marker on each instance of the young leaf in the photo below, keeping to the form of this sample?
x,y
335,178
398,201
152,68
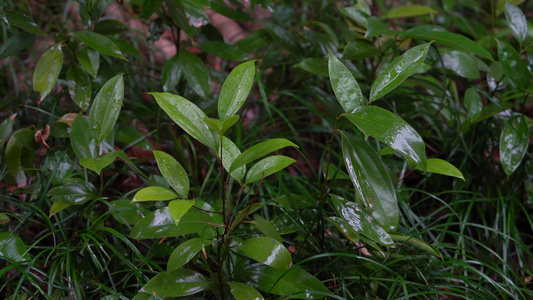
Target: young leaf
x,y
99,43
513,66
392,130
514,140
47,70
195,72
443,167
177,208
516,21
176,283
12,248
71,193
268,251
173,172
344,85
81,139
98,163
372,183
79,86
473,104
242,291
229,153
188,116
406,11
267,167
260,150
236,89
106,108
154,193
89,59
184,253
398,70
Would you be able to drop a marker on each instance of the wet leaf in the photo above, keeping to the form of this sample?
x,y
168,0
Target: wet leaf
x,y
514,68
57,207
473,104
195,73
106,108
89,59
173,172
154,193
516,21
171,74
459,62
392,130
99,43
79,86
177,208
97,164
398,70
176,283
514,141
266,228
126,212
72,193
268,251
81,139
259,151
236,89
243,291
357,15
221,49
344,85
47,70
177,13
443,167
12,248
267,167
229,153
184,253
16,43
221,126
21,21
406,11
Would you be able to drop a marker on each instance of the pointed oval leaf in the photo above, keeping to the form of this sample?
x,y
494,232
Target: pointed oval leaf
x,y
154,193
372,183
513,66
236,89
242,291
47,70
514,140
266,228
439,166
229,153
459,62
195,73
98,163
221,126
89,59
12,248
344,85
57,207
18,19
359,16
171,74
516,21
392,130
355,237
398,70
106,108
184,253
473,104
268,166
417,243
99,43
178,208
188,116
268,251
318,66
260,150
71,193
406,11
173,172
81,140
79,86
176,283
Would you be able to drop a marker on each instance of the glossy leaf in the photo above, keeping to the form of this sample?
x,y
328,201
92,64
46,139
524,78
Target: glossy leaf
x,y
236,89
177,208
18,19
344,85
171,74
409,240
242,291
154,193
516,21
372,183
259,151
47,70
81,139
98,163
173,172
359,49
57,207
353,236
514,68
6,128
99,43
392,130
89,59
514,141
176,283
357,15
221,126
12,248
473,104
79,86
195,73
188,116
406,11
184,253
16,43
398,70
229,153
443,167
71,193
296,282
178,16
126,212
268,251
377,28
268,166
459,62
221,49
441,36
106,108
266,228
318,66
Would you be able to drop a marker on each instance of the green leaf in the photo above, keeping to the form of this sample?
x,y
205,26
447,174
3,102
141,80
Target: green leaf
x,y
154,193
516,21
16,43
441,36
110,27
195,73
79,86
392,130
372,183
242,291
294,282
97,164
221,49
221,126
266,228
171,74
406,11
357,15
71,193
229,153
47,70
398,70
106,108
89,59
6,128
344,85
473,104
513,66
236,89
514,141
260,150
268,251
132,135
12,248
409,240
318,66
349,232
21,21
267,167
176,283
127,212
57,207
178,16
359,49
188,116
443,167
177,208
459,62
184,253
81,139
376,28
173,172
99,43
